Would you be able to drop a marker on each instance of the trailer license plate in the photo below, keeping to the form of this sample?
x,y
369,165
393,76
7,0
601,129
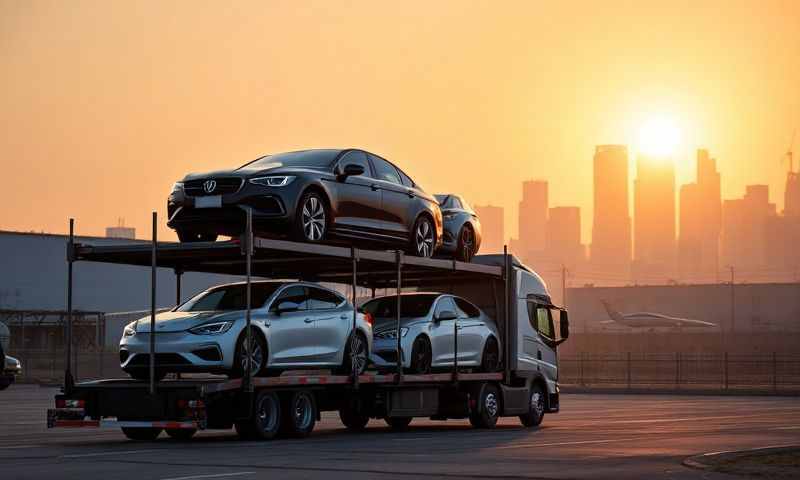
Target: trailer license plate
x,y
214,201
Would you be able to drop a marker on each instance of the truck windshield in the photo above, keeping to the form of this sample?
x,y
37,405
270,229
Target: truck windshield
x,y
410,306
230,297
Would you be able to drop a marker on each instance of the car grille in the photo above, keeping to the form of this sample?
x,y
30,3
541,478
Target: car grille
x,y
162,359
224,186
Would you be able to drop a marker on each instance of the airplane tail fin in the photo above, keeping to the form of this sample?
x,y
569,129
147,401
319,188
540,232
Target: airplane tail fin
x,y
615,315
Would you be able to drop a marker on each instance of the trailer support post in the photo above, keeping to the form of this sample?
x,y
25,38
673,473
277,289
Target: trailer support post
x,y
354,372
248,376
153,306
69,381
507,326
178,275
399,353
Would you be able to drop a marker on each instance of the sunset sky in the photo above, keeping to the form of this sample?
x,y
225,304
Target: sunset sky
x,y
103,105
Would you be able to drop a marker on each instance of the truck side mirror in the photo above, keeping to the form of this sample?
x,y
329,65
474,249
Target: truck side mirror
x,y
563,322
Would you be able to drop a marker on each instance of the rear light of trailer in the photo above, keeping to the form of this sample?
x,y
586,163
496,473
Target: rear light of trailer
x,y
66,403
191,404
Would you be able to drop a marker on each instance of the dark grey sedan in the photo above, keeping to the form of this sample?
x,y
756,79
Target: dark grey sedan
x,y
461,227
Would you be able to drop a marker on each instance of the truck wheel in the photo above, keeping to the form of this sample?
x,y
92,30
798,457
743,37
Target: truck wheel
x,y
182,434
266,421
4,385
398,424
488,409
141,434
299,414
352,419
535,413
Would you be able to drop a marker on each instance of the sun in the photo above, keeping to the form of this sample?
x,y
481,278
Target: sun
x,y
659,136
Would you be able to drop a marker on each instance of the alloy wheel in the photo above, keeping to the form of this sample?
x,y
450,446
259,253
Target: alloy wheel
x,y
467,244
254,352
424,238
358,354
490,403
313,219
537,401
303,412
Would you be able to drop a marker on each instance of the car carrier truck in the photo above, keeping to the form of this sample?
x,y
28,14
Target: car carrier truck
x,y
531,327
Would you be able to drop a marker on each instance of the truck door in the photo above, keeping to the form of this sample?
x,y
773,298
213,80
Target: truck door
x,y
541,350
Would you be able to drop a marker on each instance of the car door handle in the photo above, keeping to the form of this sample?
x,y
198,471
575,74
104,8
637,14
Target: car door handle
x,y
410,194
308,320
344,316
374,187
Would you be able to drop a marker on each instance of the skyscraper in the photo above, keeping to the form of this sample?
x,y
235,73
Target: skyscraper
x,y
654,219
792,195
564,236
533,216
700,223
492,228
611,225
744,229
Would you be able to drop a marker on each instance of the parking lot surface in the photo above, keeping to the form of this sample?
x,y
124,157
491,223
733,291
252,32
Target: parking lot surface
x,y
595,436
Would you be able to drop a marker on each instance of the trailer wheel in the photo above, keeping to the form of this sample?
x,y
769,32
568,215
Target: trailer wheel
x,y
535,413
488,408
141,434
266,420
398,424
299,414
182,434
352,419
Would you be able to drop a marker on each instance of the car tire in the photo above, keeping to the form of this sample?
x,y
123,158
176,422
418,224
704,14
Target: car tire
x,y
465,248
143,375
398,424
185,236
260,355
266,421
4,385
181,434
488,408
423,237
361,358
299,414
312,218
141,434
535,413
421,355
490,359
352,419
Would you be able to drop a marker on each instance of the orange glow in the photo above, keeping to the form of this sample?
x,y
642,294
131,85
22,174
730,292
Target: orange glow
x,y
659,137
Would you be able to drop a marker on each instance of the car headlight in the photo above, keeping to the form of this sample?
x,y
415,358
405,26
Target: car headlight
x,y
392,334
211,328
273,180
130,330
177,187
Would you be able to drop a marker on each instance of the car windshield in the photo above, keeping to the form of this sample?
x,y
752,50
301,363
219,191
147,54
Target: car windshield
x,y
303,158
230,297
410,306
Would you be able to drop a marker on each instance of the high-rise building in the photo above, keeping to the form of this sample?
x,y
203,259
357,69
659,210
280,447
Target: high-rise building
x,y
611,225
654,219
700,223
533,216
492,228
791,196
564,236
744,230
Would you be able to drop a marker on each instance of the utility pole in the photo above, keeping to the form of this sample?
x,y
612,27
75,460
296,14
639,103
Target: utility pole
x,y
733,301
564,286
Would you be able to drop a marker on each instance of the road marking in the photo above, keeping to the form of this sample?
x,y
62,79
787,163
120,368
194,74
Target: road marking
x,y
211,475
555,444
100,454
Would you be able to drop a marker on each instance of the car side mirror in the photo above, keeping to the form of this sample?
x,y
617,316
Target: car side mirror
x,y
351,170
446,315
286,307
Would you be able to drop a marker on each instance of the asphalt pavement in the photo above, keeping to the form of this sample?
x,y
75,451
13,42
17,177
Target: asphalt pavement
x,y
594,436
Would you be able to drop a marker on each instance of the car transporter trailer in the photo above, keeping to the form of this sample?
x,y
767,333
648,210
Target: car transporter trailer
x,y
290,404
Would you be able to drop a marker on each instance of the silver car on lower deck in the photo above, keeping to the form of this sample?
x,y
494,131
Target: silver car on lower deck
x,y
294,324
428,324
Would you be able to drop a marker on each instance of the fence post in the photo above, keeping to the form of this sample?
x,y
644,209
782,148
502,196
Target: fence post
x,y
774,372
628,370
725,371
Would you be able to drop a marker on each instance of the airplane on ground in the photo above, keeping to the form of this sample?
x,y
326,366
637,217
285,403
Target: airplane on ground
x,y
647,319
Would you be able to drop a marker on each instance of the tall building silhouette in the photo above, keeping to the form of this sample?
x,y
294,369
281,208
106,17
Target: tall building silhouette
x,y
700,223
492,228
654,219
564,236
744,229
611,224
533,216
791,196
